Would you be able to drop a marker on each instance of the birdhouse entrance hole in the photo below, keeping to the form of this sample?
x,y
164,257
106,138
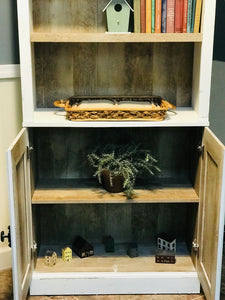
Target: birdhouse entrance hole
x,y
118,7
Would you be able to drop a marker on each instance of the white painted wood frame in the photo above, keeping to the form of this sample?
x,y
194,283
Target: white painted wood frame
x,y
114,283
202,64
25,25
198,115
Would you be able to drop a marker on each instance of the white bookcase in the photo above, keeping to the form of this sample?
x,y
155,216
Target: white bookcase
x,y
65,51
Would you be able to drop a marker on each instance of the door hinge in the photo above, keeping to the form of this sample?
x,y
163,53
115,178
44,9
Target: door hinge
x,y
200,149
3,236
34,246
195,245
29,151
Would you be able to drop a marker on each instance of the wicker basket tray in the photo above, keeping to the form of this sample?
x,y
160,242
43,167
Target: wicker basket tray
x,y
151,108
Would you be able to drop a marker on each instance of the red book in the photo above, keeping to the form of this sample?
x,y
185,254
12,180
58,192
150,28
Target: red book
x,y
158,12
179,7
143,16
170,16
185,13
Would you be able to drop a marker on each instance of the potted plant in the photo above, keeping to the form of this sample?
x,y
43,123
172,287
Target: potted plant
x,y
117,166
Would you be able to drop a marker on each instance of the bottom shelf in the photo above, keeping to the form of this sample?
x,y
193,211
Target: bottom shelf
x,y
116,273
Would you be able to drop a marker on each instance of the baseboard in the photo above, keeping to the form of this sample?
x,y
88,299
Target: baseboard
x,y
5,258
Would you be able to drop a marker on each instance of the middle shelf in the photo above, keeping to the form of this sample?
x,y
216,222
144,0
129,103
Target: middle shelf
x,y
79,192
113,37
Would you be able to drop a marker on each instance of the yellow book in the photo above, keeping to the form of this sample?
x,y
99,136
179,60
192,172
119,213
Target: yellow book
x,y
148,16
198,10
137,16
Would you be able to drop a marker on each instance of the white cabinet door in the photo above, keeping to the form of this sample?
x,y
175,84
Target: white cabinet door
x,y
20,214
211,215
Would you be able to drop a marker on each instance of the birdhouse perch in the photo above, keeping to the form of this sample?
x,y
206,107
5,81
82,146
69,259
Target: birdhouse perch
x,y
118,15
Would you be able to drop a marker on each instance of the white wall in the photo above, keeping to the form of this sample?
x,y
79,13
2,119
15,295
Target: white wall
x,y
10,124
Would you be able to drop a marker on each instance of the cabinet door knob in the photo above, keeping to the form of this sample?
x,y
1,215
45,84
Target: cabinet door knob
x,y
34,246
3,236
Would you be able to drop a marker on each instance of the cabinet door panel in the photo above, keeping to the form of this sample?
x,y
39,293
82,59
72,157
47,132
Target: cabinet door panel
x,y
20,214
211,215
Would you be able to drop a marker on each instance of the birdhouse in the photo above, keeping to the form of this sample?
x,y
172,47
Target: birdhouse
x,y
118,15
166,242
67,254
50,258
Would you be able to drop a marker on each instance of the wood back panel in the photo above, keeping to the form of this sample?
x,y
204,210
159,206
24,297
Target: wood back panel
x,y
92,69
59,224
62,153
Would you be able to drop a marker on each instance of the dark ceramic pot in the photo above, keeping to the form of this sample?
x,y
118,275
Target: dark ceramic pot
x,y
116,184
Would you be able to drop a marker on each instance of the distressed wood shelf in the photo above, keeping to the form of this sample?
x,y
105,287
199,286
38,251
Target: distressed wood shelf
x,y
118,261
72,37
92,194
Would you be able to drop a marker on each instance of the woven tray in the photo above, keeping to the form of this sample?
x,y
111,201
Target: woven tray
x,y
151,108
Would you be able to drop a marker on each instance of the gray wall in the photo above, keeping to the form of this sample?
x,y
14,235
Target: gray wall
x,y
219,39
9,53
217,99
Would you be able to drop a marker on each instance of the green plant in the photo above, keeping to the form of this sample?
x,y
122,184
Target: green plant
x,y
124,160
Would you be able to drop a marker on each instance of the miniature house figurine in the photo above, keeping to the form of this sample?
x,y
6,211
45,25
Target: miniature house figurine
x,y
67,254
166,242
118,15
132,250
50,258
109,243
82,248
165,257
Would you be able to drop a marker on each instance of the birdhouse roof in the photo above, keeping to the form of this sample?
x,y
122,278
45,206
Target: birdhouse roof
x,y
114,0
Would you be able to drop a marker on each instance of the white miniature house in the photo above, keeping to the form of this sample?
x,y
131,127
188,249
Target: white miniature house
x,y
166,242
118,15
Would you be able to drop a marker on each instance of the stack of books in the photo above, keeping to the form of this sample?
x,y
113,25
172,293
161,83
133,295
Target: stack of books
x,y
167,16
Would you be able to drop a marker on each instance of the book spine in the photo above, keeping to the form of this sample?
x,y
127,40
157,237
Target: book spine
x,y
170,16
185,13
197,16
158,13
189,16
163,21
143,16
153,16
179,15
137,16
148,16
193,15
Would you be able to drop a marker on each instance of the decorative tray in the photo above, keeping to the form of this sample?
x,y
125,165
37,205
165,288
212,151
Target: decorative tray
x,y
151,108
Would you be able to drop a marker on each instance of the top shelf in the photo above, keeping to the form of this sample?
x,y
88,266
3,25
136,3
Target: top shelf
x,y
66,37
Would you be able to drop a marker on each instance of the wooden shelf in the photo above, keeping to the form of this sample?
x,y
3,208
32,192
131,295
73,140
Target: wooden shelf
x,y
118,261
66,37
93,194
118,273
